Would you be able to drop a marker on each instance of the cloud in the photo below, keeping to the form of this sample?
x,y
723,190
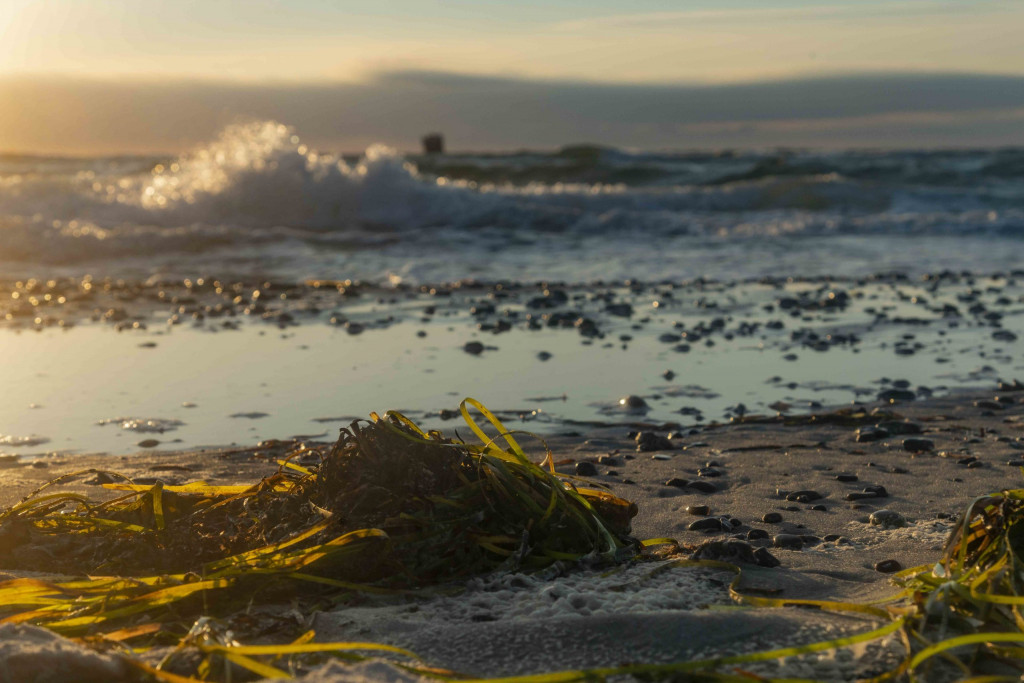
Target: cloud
x,y
477,112
746,15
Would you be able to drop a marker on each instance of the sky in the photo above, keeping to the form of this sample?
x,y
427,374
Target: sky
x,y
108,76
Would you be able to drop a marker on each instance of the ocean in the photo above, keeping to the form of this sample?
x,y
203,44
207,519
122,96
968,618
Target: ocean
x,y
259,201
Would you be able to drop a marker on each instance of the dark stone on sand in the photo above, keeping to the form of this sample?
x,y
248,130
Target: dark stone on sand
x,y
99,479
975,465
543,355
623,310
148,443
894,395
846,477
734,552
789,541
861,495
1004,335
900,427
1015,463
702,486
633,402
869,434
918,445
804,496
710,525
1015,385
698,510
818,508
887,519
649,441
877,489
766,559
771,518
830,538
473,347
668,375
586,469
989,405
757,534
354,328
709,472
677,482
888,566
609,461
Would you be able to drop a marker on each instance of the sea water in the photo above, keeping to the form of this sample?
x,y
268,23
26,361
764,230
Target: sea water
x,y
259,203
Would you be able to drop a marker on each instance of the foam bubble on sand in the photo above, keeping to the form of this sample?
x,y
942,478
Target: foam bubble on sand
x,y
143,425
531,597
10,440
931,533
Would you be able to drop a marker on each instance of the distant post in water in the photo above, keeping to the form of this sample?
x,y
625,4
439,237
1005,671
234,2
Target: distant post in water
x,y
433,143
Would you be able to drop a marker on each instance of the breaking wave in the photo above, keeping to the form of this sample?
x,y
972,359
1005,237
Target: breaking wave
x,y
259,187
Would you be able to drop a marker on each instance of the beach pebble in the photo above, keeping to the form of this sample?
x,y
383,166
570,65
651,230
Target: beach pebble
x,y
702,486
860,495
771,518
649,441
633,402
148,443
757,534
918,445
586,469
677,482
543,356
99,479
710,525
804,496
765,558
887,519
609,461
788,541
901,427
846,478
869,434
709,472
473,347
888,566
876,489
894,395
698,510
734,551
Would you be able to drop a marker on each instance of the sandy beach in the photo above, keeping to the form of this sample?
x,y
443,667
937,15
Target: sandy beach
x,y
793,486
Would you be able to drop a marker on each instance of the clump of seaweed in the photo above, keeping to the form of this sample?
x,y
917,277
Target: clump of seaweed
x,y
386,507
968,607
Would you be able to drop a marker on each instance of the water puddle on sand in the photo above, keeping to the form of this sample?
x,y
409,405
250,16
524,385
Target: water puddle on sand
x,y
92,389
